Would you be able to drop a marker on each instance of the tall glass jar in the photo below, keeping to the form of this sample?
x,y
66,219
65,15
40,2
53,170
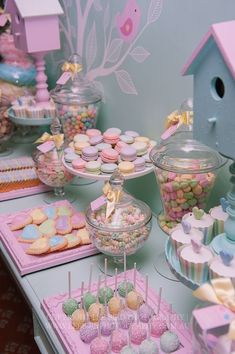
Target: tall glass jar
x,y
77,101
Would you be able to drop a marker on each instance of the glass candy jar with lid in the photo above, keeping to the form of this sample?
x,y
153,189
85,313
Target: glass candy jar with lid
x,y
122,225
185,171
77,100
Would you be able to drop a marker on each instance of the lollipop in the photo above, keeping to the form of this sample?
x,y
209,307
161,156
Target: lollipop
x,y
138,333
115,302
169,341
128,349
89,298
126,318
78,317
94,308
125,286
134,299
88,331
99,345
107,324
69,305
145,311
158,324
148,346
105,291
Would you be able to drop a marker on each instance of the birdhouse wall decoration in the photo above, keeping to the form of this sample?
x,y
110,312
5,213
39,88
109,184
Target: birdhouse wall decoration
x,y
35,27
213,66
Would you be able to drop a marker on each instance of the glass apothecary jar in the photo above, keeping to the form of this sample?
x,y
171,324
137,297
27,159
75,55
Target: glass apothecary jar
x,y
126,229
186,172
77,101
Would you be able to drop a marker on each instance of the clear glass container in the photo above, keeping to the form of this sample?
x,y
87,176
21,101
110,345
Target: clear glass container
x,y
6,126
77,102
185,171
126,229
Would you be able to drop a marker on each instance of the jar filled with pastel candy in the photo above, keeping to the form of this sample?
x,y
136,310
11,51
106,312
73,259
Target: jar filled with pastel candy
x,y
77,100
121,224
6,126
186,172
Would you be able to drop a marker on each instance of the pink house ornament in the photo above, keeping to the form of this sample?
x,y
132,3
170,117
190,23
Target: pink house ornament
x,y
35,27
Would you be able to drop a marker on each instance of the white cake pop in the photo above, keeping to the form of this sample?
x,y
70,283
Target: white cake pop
x,y
169,341
128,349
148,346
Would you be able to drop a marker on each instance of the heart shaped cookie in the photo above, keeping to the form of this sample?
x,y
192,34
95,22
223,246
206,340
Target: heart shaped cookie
x,y
38,216
57,243
39,247
50,211
20,221
47,228
73,240
29,234
84,235
78,221
63,225
64,211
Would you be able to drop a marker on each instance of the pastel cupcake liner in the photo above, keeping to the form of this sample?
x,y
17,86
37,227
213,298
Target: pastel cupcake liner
x,y
175,246
213,274
196,272
218,227
208,233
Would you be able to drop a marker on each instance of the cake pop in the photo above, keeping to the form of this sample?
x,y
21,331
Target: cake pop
x,y
128,349
158,323
145,311
107,324
125,286
78,317
94,308
89,298
169,341
105,291
88,331
148,346
115,304
126,317
70,304
99,345
134,299
138,333
118,341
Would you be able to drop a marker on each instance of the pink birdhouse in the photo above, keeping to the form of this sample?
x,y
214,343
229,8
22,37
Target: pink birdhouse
x,y
35,24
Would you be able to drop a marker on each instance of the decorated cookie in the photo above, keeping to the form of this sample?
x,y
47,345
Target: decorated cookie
x,y
84,235
47,228
64,211
50,211
57,243
20,221
38,247
38,216
29,234
73,240
78,221
63,225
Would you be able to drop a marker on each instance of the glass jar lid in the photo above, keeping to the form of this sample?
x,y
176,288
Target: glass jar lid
x,y
186,156
128,213
78,89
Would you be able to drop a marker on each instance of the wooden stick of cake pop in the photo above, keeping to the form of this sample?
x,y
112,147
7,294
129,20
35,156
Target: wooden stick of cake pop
x,y
82,290
99,329
98,289
86,317
135,275
90,277
159,300
125,266
126,294
146,288
69,284
105,303
105,274
115,285
149,329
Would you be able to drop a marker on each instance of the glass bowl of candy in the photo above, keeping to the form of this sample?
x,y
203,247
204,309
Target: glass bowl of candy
x,y
6,127
77,101
120,226
185,171
51,171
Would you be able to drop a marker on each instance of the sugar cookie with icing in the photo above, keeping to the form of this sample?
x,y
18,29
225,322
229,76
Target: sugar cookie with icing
x,y
20,221
38,247
47,228
63,225
29,234
57,243
38,216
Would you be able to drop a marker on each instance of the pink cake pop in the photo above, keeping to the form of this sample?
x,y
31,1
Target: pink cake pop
x,y
88,331
128,349
158,323
118,341
115,304
138,333
99,345
78,317
94,308
148,346
134,299
126,317
145,311
107,324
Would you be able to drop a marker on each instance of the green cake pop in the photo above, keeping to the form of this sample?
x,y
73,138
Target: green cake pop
x,y
89,298
125,286
105,290
70,305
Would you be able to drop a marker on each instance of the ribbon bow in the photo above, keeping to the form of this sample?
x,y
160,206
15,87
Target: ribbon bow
x,y
113,197
58,139
220,291
72,68
177,118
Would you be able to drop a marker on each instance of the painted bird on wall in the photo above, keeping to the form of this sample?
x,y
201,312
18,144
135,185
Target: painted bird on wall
x,y
128,21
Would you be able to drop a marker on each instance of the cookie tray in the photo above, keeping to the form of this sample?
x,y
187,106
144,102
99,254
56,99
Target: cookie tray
x,y
27,264
24,192
69,337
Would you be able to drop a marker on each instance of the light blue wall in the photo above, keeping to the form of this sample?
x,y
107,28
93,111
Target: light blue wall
x,y
157,80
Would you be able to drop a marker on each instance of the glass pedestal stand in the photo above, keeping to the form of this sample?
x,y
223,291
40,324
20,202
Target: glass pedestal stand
x,y
58,193
226,240
117,262
162,268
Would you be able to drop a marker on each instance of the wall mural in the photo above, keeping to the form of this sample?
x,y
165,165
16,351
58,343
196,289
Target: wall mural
x,y
105,39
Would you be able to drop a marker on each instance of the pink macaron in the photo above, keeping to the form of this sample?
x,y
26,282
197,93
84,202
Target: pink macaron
x,y
109,155
78,164
110,138
96,139
90,153
120,145
93,132
131,133
128,153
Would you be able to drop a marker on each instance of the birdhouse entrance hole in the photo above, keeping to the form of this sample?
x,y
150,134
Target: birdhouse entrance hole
x,y
217,88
